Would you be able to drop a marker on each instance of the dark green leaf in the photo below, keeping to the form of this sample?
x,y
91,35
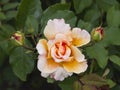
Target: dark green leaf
x,y
93,15
117,87
99,53
110,83
113,16
4,1
67,84
31,25
2,16
104,5
50,11
80,5
2,56
27,7
5,32
111,36
115,59
93,80
10,6
21,62
69,17
84,25
77,85
11,14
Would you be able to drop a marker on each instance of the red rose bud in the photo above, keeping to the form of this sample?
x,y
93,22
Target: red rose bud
x,y
97,34
18,37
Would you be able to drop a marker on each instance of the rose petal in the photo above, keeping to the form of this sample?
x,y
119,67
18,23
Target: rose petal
x,y
61,58
67,54
63,37
76,53
80,37
60,74
45,75
46,65
74,66
50,44
42,47
56,26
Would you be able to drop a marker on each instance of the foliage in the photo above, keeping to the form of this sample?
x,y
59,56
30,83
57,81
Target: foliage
x,y
18,62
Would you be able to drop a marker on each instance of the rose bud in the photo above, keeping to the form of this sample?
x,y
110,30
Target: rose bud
x,y
97,34
18,38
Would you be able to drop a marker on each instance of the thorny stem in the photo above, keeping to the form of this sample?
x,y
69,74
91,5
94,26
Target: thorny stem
x,y
32,37
33,40
80,82
91,66
29,48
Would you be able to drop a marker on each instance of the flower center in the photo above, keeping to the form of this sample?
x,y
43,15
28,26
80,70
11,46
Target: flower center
x,y
60,48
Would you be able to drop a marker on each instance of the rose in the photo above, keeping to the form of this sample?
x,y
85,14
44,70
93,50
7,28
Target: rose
x,y
18,38
97,34
59,56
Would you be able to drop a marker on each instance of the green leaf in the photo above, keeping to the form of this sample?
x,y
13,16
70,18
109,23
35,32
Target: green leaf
x,y
110,83
88,87
69,17
80,5
117,87
77,85
21,62
92,15
115,59
2,16
27,7
2,57
31,25
7,46
67,84
93,80
99,53
113,17
4,1
104,5
111,36
50,11
85,25
11,14
8,6
5,32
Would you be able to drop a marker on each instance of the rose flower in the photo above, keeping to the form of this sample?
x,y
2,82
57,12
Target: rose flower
x,y
59,56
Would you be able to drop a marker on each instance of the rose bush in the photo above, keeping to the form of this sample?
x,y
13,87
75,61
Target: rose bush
x,y
73,44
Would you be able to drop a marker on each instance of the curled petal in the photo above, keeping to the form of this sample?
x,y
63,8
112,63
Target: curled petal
x,y
60,58
74,66
42,47
60,74
56,26
45,75
46,65
80,37
63,37
67,54
76,53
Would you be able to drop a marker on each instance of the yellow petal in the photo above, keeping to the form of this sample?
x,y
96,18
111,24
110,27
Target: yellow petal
x,y
42,47
74,66
46,65
51,65
77,54
80,37
55,26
